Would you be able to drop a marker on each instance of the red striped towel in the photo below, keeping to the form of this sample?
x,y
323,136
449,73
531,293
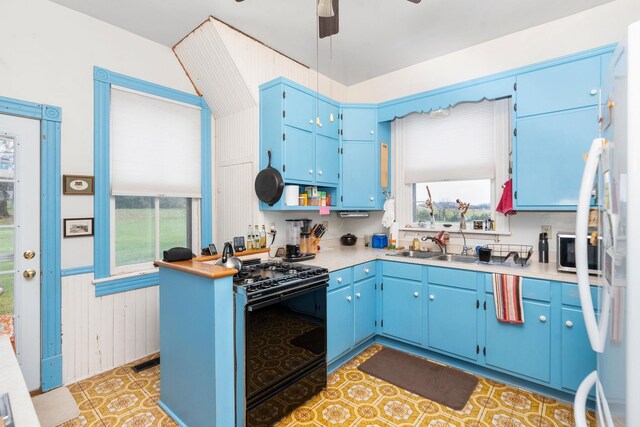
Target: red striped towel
x,y
507,296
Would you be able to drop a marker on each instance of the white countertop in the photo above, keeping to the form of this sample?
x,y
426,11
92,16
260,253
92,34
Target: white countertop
x,y
12,381
335,256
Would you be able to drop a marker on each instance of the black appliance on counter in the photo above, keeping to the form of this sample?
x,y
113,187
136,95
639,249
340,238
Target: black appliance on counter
x,y
281,339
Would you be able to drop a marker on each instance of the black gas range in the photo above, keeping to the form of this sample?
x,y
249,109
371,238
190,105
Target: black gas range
x,y
270,279
281,339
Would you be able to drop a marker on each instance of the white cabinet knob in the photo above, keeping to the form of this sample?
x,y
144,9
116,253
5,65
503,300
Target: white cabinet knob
x,y
371,132
594,92
311,121
569,324
320,125
432,297
366,271
339,280
319,172
310,171
371,198
349,298
416,294
357,294
543,319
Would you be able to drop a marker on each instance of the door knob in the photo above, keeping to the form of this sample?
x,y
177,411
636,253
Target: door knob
x,y
349,298
543,319
432,297
569,324
29,254
358,295
415,294
29,273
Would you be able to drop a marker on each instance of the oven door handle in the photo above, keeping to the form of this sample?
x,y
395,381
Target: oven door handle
x,y
281,297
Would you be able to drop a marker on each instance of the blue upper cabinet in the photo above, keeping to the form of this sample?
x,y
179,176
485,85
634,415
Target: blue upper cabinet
x,y
359,175
560,87
359,123
299,109
327,160
328,119
548,158
299,155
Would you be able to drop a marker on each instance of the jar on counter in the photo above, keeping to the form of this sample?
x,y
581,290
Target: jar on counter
x,y
305,246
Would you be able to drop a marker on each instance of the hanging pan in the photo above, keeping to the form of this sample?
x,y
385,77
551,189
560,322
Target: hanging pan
x,y
269,184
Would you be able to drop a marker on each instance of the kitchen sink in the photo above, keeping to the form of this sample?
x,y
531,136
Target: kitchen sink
x,y
415,254
456,258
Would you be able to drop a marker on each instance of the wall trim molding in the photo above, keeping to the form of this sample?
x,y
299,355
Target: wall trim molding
x,y
76,271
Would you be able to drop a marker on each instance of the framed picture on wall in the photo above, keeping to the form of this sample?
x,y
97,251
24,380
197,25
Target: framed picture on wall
x,y
77,185
78,227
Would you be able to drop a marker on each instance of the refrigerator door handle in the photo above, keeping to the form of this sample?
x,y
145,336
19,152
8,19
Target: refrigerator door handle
x,y
582,229
580,402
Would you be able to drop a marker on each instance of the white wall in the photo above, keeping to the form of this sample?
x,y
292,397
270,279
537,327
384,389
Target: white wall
x,y
47,54
589,29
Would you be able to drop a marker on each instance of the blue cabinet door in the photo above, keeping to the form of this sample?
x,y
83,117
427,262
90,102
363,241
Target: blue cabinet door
x,y
365,309
339,322
548,158
578,358
326,126
299,109
359,175
402,309
299,155
359,124
327,160
560,87
452,323
522,349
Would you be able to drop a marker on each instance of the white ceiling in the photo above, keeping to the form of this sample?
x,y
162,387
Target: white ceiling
x,y
376,36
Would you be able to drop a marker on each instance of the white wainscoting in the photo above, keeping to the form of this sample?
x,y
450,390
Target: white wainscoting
x,y
100,333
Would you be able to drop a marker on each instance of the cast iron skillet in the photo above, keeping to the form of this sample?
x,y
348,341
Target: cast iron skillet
x,y
269,184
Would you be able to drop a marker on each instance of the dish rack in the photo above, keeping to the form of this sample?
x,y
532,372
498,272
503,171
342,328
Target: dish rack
x,y
501,252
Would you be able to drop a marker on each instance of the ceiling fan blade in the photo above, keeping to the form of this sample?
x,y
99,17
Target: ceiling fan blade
x,y
412,1
329,26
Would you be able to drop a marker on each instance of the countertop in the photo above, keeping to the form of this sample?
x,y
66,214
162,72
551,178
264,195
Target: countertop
x,y
335,256
12,382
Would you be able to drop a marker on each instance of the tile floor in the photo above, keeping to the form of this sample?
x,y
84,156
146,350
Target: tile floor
x,y
122,397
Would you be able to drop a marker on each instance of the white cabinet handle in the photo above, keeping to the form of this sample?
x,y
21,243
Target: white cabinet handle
x,y
349,298
310,171
357,294
593,92
569,324
432,297
543,319
319,172
371,198
371,132
416,294
366,270
339,280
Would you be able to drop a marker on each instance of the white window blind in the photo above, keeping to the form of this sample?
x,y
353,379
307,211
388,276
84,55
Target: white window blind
x,y
155,146
459,146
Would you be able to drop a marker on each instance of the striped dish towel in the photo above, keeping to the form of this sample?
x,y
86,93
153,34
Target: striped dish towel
x,y
507,296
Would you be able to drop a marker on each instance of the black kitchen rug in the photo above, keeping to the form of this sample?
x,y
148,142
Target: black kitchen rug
x,y
442,384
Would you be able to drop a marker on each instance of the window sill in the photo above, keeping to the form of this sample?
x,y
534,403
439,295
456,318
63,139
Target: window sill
x,y
126,282
454,229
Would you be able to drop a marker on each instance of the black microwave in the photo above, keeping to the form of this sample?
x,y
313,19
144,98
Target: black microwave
x,y
566,253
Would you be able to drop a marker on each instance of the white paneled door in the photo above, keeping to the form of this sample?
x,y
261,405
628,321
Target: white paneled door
x,y
20,240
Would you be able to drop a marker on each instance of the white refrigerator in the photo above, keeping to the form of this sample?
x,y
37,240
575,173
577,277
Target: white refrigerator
x,y
613,164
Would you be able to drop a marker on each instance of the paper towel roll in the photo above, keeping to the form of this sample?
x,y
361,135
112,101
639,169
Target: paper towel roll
x,y
291,195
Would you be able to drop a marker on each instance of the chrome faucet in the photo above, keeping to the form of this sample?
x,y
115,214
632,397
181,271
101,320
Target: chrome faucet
x,y
465,248
442,247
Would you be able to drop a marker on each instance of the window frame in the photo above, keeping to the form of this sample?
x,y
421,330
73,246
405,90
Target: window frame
x,y
106,282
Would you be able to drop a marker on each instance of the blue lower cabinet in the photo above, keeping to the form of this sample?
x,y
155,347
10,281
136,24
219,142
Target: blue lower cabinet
x,y
578,359
364,293
523,349
402,309
339,322
452,324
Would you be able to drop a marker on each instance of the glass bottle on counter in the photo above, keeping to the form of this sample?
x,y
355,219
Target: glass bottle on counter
x,y
249,240
263,237
256,238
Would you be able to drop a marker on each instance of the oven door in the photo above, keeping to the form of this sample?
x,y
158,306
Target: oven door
x,y
284,337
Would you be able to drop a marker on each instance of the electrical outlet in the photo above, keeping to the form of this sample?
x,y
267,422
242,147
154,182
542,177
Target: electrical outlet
x,y
546,229
272,227
325,224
